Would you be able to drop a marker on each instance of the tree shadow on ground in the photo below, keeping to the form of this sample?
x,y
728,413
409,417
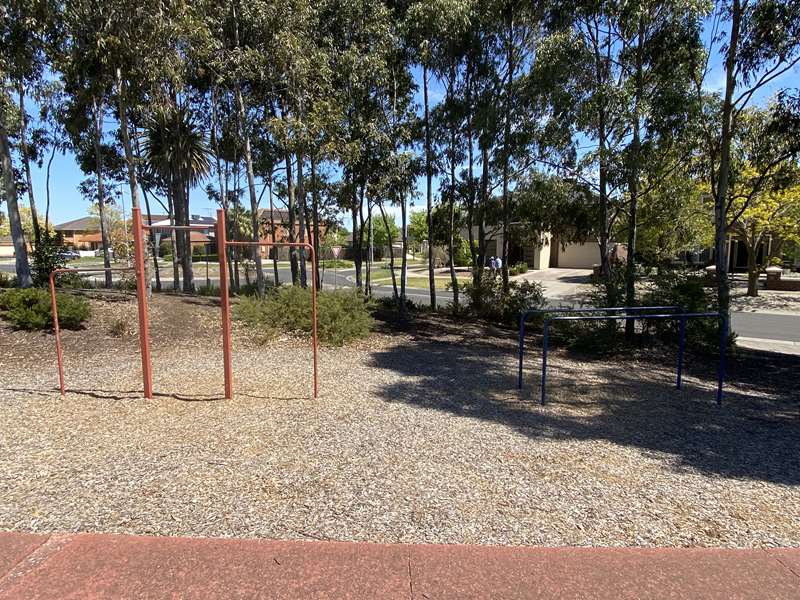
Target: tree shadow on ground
x,y
470,371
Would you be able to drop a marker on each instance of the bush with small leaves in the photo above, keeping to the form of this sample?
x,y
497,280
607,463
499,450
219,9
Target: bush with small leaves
x,y
488,300
341,316
29,308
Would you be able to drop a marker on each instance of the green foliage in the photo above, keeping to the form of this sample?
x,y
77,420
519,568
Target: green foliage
x,y
29,308
7,281
337,264
680,287
46,257
341,316
518,269
609,290
488,301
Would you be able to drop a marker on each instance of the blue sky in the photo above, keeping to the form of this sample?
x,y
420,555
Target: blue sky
x,y
67,203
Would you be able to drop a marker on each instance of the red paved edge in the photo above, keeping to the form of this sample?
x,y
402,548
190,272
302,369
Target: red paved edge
x,y
117,566
14,547
659,573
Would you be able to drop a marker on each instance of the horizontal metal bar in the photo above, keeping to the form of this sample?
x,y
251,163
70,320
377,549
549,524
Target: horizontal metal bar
x,y
97,270
589,310
259,243
184,227
634,317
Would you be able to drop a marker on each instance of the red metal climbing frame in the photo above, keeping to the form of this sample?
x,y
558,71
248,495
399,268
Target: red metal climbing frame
x,y
141,295
222,245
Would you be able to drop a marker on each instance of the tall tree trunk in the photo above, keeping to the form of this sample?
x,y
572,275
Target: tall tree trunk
x,y
451,215
370,249
395,295
133,183
222,180
176,277
473,252
507,142
47,188
404,259
429,185
752,269
97,115
484,202
184,235
721,197
22,268
315,218
251,186
633,183
23,146
274,248
152,239
356,245
291,208
301,210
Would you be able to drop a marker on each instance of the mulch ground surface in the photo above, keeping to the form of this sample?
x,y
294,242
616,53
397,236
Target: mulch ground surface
x,y
419,435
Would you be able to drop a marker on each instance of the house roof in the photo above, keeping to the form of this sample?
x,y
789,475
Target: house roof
x,y
279,215
83,224
92,223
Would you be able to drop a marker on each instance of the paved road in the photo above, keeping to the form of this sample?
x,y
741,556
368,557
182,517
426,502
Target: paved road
x,y
770,326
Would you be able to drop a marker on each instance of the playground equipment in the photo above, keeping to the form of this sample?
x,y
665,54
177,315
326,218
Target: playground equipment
x,y
678,314
222,245
145,345
141,295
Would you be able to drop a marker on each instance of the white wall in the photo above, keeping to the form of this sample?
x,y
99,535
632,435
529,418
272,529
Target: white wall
x,y
579,256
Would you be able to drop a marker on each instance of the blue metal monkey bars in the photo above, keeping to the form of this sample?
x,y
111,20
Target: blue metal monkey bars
x,y
638,313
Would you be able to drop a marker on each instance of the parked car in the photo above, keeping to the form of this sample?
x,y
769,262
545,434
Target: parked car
x,y
70,254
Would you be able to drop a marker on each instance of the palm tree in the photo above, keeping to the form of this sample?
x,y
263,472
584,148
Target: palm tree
x,y
176,150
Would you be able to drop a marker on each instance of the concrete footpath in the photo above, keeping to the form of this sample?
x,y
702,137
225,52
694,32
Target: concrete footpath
x,y
120,566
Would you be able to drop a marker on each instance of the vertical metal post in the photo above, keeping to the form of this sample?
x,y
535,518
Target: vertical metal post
x,y
681,347
314,312
141,301
521,347
225,303
545,344
57,332
723,343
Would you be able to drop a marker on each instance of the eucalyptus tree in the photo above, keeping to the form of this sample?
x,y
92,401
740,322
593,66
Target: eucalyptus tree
x,y
759,41
429,30
26,28
88,76
359,38
660,46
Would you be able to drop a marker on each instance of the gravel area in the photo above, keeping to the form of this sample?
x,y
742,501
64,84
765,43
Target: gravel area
x,y
419,436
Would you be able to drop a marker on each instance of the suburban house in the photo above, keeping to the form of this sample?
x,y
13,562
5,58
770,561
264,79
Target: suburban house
x,y
84,233
81,234
278,221
200,241
548,253
7,246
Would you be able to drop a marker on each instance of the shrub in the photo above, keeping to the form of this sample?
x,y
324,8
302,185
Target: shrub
x,y
687,289
7,281
47,256
29,308
341,316
518,269
488,301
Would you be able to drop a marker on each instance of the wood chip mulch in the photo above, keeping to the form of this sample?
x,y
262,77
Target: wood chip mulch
x,y
419,436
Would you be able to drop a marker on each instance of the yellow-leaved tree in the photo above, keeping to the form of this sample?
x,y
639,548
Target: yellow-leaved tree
x,y
770,217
